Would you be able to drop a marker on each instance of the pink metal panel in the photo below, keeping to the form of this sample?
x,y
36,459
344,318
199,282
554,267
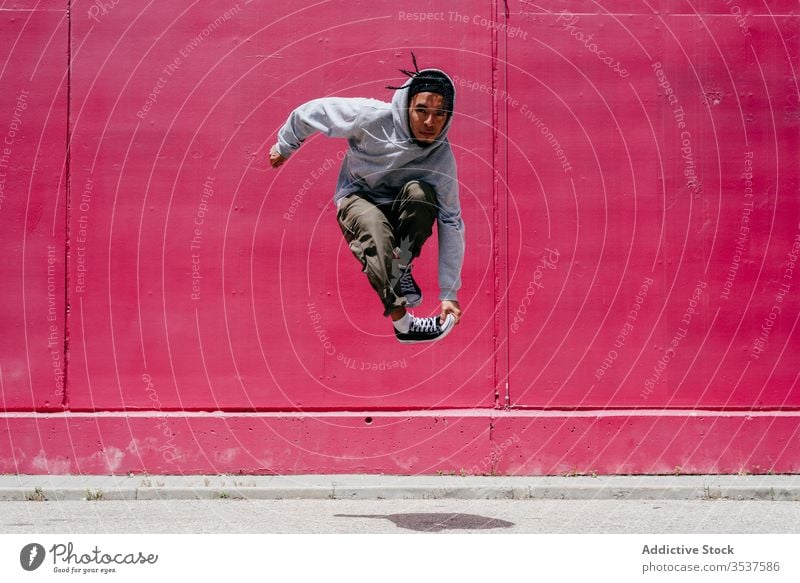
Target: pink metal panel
x,y
227,284
653,248
33,114
649,442
230,443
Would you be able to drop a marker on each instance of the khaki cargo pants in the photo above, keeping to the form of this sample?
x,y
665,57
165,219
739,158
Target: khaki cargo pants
x,y
382,237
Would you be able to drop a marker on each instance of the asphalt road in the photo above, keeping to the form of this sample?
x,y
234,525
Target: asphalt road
x,y
401,516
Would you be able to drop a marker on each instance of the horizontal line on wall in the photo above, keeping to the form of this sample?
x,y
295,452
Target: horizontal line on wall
x,y
727,14
487,412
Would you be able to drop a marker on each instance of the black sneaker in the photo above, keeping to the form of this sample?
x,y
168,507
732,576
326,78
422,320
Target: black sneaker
x,y
407,287
426,329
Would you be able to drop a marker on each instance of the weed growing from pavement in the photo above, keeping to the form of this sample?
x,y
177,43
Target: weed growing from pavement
x,y
36,496
95,495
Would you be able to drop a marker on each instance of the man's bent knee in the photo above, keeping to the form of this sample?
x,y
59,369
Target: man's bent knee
x,y
420,191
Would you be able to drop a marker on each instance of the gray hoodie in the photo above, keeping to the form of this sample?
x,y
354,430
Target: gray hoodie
x,y
382,157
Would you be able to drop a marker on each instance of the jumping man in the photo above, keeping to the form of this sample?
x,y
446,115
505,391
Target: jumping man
x,y
398,177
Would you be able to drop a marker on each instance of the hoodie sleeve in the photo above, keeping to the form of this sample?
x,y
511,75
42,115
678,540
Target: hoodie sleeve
x,y
333,116
451,240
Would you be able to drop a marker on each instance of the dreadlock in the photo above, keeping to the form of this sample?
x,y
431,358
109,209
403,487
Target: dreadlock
x,y
427,80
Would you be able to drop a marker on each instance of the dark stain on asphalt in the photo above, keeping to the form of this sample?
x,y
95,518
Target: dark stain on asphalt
x,y
438,521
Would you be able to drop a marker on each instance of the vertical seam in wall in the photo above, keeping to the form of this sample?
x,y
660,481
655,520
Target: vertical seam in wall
x,y
496,213
493,457
67,216
507,351
495,15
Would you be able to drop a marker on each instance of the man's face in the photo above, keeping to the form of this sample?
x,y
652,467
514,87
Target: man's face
x,y
427,116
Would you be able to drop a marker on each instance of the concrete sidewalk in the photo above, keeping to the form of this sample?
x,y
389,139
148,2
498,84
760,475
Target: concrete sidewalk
x,y
377,487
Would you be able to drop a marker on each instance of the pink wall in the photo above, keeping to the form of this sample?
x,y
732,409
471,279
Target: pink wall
x,y
629,182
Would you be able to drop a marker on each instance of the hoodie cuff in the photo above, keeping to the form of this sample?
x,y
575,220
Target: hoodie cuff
x,y
283,150
451,296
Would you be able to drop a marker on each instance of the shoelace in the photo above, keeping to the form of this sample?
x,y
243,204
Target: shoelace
x,y
407,284
424,325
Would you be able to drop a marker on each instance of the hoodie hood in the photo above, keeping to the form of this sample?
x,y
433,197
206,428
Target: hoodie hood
x,y
400,112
